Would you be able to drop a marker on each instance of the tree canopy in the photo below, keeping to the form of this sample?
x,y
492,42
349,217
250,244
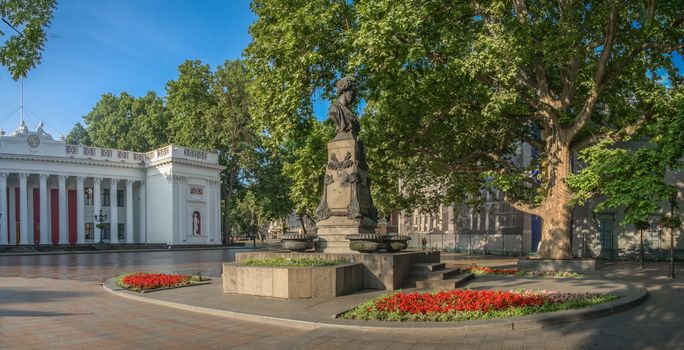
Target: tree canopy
x,y
126,122
26,23
454,89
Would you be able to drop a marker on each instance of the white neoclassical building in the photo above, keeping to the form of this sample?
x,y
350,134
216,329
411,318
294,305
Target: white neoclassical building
x,y
52,193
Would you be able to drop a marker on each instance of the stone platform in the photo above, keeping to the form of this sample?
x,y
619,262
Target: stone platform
x,y
574,265
385,271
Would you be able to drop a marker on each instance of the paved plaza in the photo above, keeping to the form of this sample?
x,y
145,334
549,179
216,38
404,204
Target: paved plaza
x,y
57,301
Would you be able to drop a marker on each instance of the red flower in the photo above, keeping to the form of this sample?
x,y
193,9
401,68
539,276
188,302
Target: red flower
x,y
147,281
456,300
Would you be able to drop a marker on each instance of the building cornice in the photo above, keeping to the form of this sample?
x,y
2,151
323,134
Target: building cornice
x,y
66,160
170,160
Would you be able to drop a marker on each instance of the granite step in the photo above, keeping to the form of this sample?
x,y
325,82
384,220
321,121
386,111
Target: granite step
x,y
427,267
447,284
434,275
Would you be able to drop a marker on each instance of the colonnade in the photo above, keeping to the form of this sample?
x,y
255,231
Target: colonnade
x,y
57,221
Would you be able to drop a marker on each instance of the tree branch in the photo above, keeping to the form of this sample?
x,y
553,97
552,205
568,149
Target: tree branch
x,y
628,131
599,76
524,207
620,66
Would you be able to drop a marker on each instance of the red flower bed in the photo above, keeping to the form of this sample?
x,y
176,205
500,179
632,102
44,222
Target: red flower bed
x,y
461,305
456,300
148,281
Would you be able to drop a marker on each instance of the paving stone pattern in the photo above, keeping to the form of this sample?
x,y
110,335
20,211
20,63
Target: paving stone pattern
x,y
74,312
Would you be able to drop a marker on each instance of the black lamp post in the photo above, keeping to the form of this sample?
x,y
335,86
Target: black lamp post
x,y
100,219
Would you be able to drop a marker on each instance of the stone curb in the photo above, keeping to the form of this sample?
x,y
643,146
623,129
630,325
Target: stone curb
x,y
633,296
128,251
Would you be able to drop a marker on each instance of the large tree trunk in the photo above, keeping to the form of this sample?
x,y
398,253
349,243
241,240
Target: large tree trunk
x,y
555,240
555,211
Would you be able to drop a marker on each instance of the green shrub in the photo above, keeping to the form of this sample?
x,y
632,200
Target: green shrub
x,y
290,262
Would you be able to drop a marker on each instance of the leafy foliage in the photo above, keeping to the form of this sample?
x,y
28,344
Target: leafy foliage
x,y
305,167
633,176
78,135
453,89
289,262
22,51
126,122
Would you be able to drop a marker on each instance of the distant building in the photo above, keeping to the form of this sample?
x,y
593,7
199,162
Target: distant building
x,y
497,228
52,193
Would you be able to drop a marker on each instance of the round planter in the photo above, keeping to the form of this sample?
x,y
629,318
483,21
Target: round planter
x,y
397,243
297,242
366,242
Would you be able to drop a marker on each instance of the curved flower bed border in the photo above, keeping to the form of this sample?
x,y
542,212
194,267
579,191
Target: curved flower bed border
x,y
147,282
463,305
484,271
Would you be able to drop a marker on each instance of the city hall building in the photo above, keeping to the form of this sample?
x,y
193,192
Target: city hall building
x,y
53,193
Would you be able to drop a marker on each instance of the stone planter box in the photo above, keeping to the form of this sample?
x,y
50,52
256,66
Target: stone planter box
x,y
385,271
574,265
293,282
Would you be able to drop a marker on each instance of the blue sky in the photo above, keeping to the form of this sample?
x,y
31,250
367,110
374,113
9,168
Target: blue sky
x,y
95,47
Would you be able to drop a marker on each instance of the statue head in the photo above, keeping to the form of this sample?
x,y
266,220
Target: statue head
x,y
345,87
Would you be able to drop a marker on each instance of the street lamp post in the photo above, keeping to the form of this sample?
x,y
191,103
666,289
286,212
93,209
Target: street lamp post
x,y
100,219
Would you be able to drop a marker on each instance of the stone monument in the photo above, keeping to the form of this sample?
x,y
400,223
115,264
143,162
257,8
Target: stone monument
x,y
346,206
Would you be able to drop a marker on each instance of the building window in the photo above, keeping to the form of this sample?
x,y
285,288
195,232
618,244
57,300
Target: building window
x,y
120,231
88,194
105,197
106,232
120,198
89,230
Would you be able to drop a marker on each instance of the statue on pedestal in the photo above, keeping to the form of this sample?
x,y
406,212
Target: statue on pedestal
x,y
346,206
346,122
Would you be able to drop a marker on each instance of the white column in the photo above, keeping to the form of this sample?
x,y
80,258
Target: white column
x,y
44,234
217,212
129,211
143,219
80,208
23,210
63,217
113,211
97,205
12,212
3,209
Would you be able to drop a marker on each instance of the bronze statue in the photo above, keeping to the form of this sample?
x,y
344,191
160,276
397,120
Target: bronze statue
x,y
346,122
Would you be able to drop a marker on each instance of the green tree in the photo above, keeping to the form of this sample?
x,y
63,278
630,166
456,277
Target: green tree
x,y
623,176
78,135
127,122
210,111
305,167
27,21
455,88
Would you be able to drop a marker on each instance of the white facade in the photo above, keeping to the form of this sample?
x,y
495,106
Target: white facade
x,y
51,192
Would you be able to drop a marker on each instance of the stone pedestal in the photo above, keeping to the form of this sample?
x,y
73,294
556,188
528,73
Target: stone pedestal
x,y
346,206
